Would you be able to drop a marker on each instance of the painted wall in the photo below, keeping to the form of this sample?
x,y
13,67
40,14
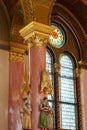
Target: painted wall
x,y
4,88
84,96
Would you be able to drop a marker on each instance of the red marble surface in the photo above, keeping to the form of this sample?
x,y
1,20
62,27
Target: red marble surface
x,y
37,65
16,78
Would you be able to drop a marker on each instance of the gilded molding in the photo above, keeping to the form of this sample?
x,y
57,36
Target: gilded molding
x,y
36,33
56,67
17,52
20,47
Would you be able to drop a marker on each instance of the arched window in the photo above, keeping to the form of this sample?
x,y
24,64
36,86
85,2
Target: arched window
x,y
67,93
65,88
50,69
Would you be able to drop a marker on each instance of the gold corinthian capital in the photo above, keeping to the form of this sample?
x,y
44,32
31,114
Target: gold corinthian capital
x,y
36,34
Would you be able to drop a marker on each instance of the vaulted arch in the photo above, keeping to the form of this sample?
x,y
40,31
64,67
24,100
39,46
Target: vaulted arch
x,y
28,10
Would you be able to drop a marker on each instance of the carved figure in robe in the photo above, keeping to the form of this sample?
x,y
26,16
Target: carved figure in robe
x,y
45,122
26,121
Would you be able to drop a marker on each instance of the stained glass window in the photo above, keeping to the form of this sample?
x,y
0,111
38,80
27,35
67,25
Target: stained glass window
x,y
67,93
57,39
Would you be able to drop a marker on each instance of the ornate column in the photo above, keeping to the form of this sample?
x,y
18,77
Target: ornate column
x,y
79,98
36,36
57,67
16,71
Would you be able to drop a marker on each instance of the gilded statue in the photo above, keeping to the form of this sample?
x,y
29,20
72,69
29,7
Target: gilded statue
x,y
26,106
26,117
25,110
46,86
26,87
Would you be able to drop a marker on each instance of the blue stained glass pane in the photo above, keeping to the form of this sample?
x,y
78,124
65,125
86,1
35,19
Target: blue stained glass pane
x,y
67,116
65,61
48,58
48,68
67,93
67,90
66,72
48,62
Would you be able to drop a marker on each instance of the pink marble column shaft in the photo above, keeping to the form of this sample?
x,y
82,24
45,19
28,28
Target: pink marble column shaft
x,y
37,65
16,78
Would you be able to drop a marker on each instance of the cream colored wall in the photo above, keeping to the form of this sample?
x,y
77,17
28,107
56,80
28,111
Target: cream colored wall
x,y
4,88
84,96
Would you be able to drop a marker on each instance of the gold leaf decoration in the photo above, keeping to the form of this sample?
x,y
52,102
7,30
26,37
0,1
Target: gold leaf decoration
x,y
26,87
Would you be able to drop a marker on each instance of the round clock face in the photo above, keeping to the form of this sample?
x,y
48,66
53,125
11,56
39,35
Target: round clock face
x,y
57,39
